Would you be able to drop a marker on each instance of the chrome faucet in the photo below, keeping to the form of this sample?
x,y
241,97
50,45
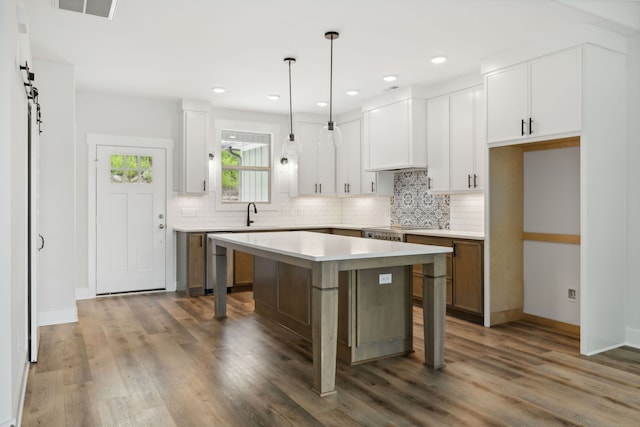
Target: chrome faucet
x,y
255,210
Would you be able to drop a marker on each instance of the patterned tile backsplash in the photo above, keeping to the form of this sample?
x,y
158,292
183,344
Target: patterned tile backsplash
x,y
411,204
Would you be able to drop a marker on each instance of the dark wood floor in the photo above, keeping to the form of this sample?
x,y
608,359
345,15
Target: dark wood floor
x,y
161,360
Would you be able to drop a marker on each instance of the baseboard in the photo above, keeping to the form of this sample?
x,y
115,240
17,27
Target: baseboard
x,y
57,317
9,423
23,393
633,337
555,325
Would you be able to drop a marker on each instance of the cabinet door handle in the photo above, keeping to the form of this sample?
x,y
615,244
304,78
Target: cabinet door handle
x,y
372,190
475,181
468,181
201,240
530,126
345,187
428,183
348,188
316,190
41,242
454,251
522,127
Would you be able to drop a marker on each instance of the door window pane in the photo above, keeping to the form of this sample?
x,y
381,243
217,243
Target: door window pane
x,y
131,169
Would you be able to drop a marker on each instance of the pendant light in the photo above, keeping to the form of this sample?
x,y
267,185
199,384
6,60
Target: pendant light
x,y
290,146
330,134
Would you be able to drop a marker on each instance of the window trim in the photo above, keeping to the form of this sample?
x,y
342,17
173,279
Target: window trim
x,y
274,129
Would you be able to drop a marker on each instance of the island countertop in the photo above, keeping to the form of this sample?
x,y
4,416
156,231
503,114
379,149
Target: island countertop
x,y
326,247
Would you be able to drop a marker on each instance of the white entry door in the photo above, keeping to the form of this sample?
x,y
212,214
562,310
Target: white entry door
x,y
130,219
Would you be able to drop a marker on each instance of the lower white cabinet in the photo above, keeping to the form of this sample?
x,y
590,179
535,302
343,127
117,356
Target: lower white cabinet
x,y
316,166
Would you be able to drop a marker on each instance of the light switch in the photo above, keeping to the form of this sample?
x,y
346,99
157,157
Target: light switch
x,y
385,279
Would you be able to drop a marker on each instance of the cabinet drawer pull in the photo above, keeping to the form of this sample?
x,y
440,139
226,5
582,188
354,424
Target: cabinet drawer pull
x,y
522,127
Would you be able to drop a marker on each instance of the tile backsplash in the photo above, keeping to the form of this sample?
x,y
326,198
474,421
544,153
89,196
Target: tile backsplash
x,y
413,205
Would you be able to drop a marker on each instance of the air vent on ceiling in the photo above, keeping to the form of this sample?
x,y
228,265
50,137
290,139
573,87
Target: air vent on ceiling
x,y
102,8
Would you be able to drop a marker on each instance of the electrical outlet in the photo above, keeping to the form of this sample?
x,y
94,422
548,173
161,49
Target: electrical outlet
x,y
385,279
189,212
572,295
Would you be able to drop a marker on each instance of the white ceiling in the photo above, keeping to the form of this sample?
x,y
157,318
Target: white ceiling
x,y
182,48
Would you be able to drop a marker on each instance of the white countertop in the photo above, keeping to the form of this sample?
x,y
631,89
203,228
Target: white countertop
x,y
325,247
459,234
242,228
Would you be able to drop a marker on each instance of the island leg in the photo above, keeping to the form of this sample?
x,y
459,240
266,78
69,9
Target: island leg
x,y
324,326
434,302
220,286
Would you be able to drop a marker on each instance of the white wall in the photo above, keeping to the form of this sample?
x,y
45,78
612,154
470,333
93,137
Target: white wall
x,y
111,114
552,205
14,50
58,259
632,296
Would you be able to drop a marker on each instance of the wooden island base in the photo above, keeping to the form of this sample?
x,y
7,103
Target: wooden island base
x,y
374,320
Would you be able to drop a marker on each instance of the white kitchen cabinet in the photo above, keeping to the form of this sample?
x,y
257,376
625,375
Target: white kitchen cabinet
x,y
438,143
348,159
316,166
373,183
397,135
455,141
467,140
535,99
194,159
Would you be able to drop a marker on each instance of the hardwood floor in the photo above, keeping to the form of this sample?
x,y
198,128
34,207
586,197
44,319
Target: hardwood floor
x,y
161,360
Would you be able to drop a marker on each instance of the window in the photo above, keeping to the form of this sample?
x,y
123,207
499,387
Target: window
x,y
131,169
246,167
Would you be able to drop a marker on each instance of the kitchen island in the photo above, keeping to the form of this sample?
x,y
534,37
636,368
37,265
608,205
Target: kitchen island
x,y
326,255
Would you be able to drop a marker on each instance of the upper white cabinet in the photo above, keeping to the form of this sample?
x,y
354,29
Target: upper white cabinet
x,y
456,143
438,146
467,140
193,154
348,166
397,135
534,99
316,166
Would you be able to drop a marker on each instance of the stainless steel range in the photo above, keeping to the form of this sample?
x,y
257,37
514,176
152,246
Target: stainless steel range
x,y
395,233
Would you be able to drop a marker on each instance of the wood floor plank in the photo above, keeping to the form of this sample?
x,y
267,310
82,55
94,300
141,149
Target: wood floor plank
x,y
163,360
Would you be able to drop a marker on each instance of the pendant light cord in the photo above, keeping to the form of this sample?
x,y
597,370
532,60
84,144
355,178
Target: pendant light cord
x,y
331,84
290,106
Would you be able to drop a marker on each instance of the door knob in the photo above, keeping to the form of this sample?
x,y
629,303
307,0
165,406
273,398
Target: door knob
x,y
161,226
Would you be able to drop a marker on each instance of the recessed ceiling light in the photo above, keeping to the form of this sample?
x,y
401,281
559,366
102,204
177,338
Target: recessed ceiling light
x,y
390,78
273,97
322,103
352,92
218,89
438,59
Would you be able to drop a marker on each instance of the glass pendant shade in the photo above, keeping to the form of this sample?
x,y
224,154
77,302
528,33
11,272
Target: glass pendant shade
x,y
330,136
291,146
